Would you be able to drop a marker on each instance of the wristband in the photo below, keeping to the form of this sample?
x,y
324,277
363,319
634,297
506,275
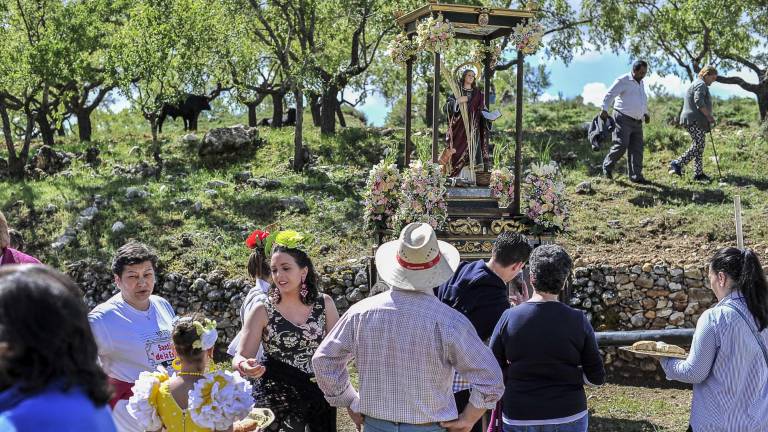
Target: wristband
x,y
238,366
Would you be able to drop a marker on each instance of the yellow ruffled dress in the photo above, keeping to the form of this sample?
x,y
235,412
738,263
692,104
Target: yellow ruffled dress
x,y
174,418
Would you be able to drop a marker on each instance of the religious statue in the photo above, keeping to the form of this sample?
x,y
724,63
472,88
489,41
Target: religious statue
x,y
457,137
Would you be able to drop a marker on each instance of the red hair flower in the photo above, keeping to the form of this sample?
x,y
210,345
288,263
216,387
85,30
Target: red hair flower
x,y
256,238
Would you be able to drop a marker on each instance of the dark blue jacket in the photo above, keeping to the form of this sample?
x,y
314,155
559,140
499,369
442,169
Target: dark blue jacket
x,y
600,131
478,293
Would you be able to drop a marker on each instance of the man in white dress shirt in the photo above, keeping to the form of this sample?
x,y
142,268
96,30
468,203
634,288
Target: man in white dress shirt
x,y
630,109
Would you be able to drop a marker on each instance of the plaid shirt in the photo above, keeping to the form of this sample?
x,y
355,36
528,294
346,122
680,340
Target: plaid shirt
x,y
407,347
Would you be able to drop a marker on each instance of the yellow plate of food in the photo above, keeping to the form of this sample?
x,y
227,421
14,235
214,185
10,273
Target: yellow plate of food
x,y
656,349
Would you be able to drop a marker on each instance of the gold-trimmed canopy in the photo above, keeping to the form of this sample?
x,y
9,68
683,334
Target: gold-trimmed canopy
x,y
469,22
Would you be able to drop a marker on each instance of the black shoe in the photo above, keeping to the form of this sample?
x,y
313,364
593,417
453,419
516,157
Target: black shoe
x,y
640,180
675,168
607,173
703,178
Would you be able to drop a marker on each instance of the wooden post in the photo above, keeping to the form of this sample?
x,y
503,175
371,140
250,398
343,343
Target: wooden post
x,y
487,76
739,231
436,108
518,133
487,84
408,108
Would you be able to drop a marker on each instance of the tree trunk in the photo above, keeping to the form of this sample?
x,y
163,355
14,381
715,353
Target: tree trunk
x,y
46,131
6,123
252,121
84,127
314,105
762,102
340,115
428,112
277,110
152,117
60,131
328,110
17,163
298,154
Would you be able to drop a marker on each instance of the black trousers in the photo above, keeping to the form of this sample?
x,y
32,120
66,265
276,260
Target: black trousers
x,y
462,399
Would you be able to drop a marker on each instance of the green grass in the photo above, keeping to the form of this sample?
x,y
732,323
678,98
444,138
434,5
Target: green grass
x,y
679,216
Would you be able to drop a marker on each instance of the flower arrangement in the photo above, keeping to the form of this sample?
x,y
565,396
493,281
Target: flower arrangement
x,y
382,192
544,194
220,399
502,186
287,238
401,49
435,34
480,52
527,37
423,196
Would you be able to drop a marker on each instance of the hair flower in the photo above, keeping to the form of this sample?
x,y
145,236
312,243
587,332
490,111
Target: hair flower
x,y
287,238
256,239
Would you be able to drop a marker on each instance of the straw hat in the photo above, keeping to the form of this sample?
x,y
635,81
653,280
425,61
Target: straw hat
x,y
417,261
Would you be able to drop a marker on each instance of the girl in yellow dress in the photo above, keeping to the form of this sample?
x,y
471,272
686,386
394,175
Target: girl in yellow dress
x,y
191,400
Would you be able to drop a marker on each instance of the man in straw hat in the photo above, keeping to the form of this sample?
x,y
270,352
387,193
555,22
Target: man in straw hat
x,y
407,344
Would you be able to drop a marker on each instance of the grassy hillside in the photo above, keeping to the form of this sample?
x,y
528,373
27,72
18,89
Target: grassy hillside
x,y
673,219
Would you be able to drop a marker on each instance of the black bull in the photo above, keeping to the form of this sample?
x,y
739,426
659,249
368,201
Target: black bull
x,y
189,110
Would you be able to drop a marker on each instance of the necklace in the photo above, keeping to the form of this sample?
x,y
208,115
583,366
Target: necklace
x,y
191,373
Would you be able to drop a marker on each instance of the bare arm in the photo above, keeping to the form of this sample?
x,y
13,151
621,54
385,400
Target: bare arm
x,y
250,341
331,313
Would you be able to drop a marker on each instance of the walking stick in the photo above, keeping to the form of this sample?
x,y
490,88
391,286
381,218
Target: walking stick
x,y
717,159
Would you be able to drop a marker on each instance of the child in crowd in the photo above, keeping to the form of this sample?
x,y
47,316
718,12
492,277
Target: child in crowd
x,y
193,399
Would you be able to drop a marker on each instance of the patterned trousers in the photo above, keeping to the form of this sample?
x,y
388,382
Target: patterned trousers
x,y
696,152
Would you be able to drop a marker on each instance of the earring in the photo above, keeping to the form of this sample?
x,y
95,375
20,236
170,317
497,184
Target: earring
x,y
304,291
176,364
274,295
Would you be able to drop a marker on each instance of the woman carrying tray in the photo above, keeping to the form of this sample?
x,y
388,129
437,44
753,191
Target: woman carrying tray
x,y
728,362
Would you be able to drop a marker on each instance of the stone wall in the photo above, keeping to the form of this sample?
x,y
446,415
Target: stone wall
x,y
217,294
640,297
613,298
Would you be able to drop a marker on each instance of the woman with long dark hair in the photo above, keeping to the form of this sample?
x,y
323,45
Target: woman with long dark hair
x,y
456,136
259,271
728,362
290,327
49,377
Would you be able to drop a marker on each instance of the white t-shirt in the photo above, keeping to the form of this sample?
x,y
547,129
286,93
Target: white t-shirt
x,y
257,294
131,341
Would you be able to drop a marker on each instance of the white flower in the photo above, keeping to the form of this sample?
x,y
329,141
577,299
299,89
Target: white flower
x,y
220,399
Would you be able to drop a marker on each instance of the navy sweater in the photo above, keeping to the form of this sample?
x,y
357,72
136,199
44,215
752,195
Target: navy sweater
x,y
545,349
478,293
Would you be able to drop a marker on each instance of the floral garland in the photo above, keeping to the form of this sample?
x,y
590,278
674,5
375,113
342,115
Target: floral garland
x,y
480,52
527,37
382,192
502,186
544,194
423,196
435,34
401,49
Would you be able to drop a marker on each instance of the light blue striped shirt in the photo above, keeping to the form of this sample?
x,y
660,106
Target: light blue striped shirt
x,y
727,369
